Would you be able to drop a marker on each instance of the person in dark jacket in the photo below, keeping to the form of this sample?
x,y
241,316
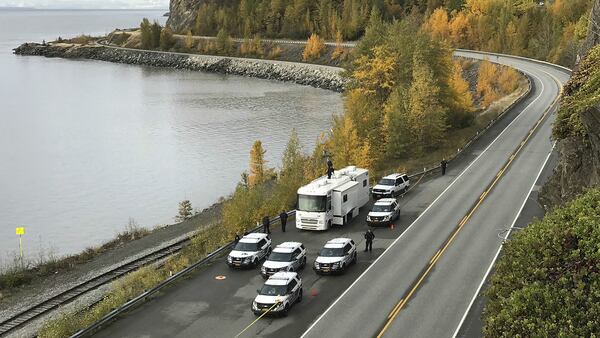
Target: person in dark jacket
x,y
245,232
266,222
329,168
283,217
444,164
369,236
237,238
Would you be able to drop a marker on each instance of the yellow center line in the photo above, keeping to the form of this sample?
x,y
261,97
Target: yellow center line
x,y
434,257
394,313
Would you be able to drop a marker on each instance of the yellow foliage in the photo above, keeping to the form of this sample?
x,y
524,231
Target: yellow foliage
x,y
252,47
275,52
189,40
339,49
315,46
460,86
508,80
375,74
486,83
344,142
258,168
459,28
437,25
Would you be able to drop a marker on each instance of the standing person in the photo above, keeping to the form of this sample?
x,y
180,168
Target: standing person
x,y
444,164
283,217
329,168
369,236
266,222
237,238
245,232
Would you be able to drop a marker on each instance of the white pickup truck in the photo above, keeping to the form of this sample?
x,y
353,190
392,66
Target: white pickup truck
x,y
391,186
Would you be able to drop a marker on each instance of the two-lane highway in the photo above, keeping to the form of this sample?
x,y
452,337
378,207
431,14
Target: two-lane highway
x,y
422,285
373,294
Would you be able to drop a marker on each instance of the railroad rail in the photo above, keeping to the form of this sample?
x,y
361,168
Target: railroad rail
x,y
78,290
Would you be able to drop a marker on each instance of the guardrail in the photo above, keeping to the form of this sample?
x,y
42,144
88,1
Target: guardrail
x,y
142,298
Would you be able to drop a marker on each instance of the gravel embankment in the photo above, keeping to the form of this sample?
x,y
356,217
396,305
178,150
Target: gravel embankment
x,y
318,76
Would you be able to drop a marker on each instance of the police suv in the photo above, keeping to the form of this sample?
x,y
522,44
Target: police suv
x,y
335,256
249,250
287,256
391,185
279,293
384,212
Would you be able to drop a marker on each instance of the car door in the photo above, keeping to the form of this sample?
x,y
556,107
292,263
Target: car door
x,y
347,253
293,291
262,244
396,209
399,184
297,259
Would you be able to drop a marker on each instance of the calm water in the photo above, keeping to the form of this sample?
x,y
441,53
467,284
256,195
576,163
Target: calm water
x,y
85,145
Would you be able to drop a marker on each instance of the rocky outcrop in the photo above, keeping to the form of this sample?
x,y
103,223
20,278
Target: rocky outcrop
x,y
577,128
305,74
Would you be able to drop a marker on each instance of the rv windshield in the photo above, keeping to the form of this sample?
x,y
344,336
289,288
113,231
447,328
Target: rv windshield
x,y
311,203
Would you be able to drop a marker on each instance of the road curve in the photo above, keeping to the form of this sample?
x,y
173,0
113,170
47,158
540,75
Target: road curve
x,y
202,306
423,284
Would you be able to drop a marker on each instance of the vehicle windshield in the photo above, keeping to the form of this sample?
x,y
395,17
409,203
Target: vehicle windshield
x,y
387,181
241,246
273,290
332,252
382,208
280,256
311,203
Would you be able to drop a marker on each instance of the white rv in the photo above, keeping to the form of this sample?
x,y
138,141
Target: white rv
x,y
324,202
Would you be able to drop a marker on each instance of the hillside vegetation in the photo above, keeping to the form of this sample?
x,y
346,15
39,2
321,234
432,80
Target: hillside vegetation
x,y
547,281
550,30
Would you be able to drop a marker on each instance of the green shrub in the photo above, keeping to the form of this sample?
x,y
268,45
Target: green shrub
x,y
547,281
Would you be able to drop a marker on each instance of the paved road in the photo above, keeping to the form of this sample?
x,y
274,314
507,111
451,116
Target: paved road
x,y
202,306
413,290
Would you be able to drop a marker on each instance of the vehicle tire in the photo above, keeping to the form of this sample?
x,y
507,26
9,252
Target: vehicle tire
x,y
343,269
303,264
285,311
329,224
255,263
300,296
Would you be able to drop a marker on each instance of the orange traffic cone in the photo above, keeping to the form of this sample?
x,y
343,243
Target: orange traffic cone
x,y
313,292
391,226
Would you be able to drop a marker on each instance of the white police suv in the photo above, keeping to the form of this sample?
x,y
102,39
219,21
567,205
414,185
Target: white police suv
x,y
249,250
336,256
287,256
279,293
391,185
384,212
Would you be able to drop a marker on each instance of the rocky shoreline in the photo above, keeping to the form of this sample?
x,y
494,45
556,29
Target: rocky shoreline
x,y
318,76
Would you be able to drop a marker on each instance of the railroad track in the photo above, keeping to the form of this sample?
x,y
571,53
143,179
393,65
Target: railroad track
x,y
71,294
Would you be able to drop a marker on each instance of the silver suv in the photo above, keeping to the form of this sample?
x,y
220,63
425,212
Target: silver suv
x,y
391,185
249,251
287,256
384,212
336,256
279,293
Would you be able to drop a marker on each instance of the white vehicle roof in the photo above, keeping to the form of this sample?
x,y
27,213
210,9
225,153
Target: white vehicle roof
x,y
337,242
393,176
385,201
253,237
281,278
322,185
286,247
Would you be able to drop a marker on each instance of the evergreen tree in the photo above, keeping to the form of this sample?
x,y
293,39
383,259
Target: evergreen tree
x,y
146,34
185,211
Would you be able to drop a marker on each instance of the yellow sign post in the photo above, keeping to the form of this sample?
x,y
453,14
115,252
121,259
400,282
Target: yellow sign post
x,y
21,231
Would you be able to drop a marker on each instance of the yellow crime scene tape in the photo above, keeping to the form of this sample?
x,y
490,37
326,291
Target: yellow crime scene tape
x,y
257,319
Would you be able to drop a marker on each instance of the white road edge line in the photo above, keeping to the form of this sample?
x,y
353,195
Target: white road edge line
x,y
464,317
425,211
